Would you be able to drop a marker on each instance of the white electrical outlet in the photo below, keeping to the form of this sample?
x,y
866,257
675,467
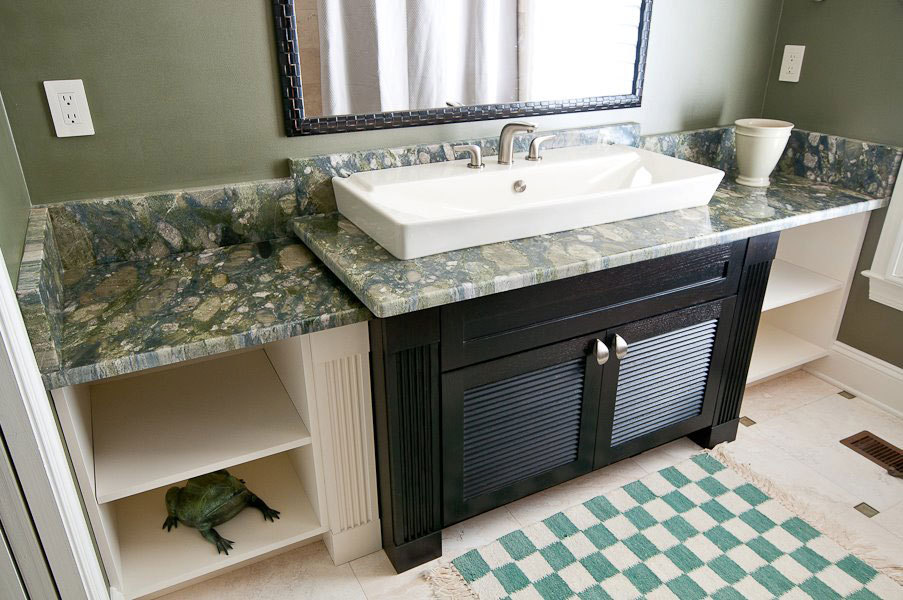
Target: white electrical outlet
x,y
792,63
69,107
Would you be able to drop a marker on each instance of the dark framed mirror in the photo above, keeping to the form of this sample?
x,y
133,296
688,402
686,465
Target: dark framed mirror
x,y
354,65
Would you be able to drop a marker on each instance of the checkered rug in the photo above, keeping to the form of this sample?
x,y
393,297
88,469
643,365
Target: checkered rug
x,y
695,530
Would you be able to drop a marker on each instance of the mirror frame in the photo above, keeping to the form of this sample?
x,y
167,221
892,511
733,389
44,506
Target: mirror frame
x,y
289,58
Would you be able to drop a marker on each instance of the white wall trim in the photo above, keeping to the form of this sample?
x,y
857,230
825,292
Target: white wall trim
x,y
877,382
886,274
884,291
40,459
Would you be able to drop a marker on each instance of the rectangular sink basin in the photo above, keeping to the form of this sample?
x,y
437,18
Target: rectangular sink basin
x,y
426,209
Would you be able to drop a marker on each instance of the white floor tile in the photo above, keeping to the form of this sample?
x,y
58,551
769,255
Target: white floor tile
x,y
305,573
667,455
812,434
891,519
775,397
380,582
763,456
546,503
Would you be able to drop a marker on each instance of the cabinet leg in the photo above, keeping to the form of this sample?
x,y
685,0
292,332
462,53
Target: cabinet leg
x,y
416,552
712,436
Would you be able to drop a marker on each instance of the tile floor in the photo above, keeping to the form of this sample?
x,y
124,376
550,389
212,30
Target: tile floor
x,y
794,442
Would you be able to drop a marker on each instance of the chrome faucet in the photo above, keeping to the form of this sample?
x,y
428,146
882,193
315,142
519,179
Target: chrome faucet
x,y
506,140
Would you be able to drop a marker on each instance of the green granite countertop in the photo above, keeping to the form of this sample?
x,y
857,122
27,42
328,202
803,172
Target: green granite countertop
x,y
113,286
123,317
389,286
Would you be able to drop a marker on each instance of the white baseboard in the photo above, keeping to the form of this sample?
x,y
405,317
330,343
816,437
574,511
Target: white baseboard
x,y
871,379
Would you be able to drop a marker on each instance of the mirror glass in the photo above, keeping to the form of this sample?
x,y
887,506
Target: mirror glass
x,y
366,57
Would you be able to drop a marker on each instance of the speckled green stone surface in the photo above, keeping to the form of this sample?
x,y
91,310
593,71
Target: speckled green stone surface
x,y
40,290
389,286
124,317
853,164
158,224
713,147
113,286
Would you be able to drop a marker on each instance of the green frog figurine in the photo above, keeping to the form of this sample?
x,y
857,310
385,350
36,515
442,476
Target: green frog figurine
x,y
210,500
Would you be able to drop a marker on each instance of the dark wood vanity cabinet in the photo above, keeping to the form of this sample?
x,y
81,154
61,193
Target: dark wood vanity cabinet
x,y
485,401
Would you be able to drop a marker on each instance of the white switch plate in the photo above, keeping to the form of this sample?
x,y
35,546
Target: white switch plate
x,y
792,63
69,107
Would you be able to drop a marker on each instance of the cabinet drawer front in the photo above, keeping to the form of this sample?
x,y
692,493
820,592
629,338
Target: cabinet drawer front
x,y
502,324
667,384
517,425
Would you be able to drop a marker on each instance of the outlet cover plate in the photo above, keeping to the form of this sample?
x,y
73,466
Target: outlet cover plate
x,y
792,63
69,107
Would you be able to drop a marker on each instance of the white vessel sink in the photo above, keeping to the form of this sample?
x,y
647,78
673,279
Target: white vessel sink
x,y
426,209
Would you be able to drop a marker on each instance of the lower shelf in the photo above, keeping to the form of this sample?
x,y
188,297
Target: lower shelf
x,y
777,351
154,560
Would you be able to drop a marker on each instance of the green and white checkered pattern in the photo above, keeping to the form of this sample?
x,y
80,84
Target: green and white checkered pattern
x,y
696,530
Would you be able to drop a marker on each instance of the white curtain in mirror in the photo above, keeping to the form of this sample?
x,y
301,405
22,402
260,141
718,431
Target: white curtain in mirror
x,y
576,48
385,55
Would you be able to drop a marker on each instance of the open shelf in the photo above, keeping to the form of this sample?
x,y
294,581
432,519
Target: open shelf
x,y
156,429
776,351
790,283
154,559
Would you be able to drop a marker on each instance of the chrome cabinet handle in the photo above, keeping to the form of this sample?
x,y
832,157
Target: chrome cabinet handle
x,y
620,347
601,351
476,154
535,152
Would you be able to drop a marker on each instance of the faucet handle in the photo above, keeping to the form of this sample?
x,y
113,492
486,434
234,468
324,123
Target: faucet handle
x,y
475,152
535,152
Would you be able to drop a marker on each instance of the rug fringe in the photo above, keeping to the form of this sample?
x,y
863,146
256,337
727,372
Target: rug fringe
x,y
448,584
838,533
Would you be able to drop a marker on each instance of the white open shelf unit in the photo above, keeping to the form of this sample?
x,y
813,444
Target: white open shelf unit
x,y
133,437
156,429
807,291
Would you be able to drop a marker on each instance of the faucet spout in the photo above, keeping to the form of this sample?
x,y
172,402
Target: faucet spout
x,y
506,140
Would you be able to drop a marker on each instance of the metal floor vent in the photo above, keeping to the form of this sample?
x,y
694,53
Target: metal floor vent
x,y
879,451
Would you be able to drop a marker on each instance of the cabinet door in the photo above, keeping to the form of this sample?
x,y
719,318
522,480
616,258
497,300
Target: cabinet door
x,y
665,384
519,424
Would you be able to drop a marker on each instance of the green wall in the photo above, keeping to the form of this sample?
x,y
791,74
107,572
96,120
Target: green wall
x,y
851,84
185,93
14,203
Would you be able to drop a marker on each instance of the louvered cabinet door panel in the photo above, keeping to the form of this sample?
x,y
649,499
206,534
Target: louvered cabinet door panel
x,y
517,425
666,384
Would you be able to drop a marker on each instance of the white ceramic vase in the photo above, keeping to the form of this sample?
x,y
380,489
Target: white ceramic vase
x,y
760,143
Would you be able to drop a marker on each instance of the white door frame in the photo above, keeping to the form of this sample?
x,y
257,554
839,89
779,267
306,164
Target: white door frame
x,y
41,462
